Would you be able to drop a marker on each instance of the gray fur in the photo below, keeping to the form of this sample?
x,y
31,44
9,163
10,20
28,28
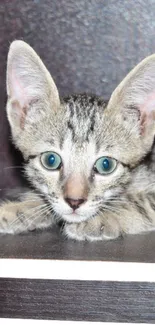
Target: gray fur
x,y
82,128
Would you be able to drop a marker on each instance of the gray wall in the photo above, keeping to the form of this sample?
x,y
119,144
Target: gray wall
x,y
88,45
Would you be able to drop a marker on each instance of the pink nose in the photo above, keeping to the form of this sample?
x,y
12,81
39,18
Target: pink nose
x,y
74,204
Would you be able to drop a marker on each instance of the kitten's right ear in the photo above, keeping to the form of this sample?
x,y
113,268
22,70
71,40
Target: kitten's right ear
x,y
30,87
134,101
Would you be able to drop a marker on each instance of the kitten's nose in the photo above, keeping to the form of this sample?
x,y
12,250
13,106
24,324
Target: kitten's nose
x,y
74,204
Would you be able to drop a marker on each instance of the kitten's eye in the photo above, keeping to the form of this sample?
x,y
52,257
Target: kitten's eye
x,y
105,165
51,160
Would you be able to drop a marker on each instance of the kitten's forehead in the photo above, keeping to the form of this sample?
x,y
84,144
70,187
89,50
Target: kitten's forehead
x,y
78,154
83,116
88,121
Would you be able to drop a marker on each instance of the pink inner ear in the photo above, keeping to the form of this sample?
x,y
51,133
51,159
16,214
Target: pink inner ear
x,y
147,110
19,113
17,90
148,107
19,98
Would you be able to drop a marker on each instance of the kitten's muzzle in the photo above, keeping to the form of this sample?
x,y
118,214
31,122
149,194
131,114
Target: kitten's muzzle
x,y
74,204
75,191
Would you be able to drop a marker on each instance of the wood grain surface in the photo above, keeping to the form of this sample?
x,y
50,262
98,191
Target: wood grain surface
x,y
77,300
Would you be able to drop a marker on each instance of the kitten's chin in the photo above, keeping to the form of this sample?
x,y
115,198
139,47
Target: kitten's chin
x,y
74,217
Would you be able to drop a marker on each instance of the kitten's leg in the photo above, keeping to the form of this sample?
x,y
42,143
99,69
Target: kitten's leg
x,y
97,228
30,213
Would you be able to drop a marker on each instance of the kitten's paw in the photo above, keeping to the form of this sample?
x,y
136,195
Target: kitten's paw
x,y
28,215
94,229
10,218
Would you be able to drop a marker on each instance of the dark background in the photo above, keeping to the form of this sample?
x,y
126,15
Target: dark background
x,y
88,46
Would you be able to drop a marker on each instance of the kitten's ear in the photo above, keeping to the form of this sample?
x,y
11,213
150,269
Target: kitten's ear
x,y
135,98
30,88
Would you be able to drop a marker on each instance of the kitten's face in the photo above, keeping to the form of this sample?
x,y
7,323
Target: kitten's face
x,y
81,152
82,135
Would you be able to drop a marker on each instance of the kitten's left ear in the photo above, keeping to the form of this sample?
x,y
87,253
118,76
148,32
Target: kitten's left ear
x,y
30,87
135,99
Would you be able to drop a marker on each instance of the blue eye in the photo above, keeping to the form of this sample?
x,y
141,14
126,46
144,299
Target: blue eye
x,y
105,165
51,160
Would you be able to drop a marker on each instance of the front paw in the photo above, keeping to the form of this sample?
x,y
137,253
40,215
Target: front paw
x,y
94,229
22,216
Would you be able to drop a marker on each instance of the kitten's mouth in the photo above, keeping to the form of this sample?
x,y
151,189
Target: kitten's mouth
x,y
74,217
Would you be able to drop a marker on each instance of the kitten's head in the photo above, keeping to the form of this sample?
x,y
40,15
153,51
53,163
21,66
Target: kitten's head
x,y
80,151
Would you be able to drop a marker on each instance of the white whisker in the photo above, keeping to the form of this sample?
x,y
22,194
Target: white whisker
x,y
38,208
35,216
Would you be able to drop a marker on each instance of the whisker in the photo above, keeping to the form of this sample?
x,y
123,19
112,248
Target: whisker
x,y
12,167
35,194
47,212
31,200
35,217
109,209
38,208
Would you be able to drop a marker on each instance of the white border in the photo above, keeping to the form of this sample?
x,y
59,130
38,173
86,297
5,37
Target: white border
x,y
8,321
77,270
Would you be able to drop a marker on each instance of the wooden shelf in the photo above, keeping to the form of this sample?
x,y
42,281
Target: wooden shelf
x,y
52,245
45,276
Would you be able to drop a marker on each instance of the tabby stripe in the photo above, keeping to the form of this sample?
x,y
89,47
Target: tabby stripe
x,y
142,210
151,199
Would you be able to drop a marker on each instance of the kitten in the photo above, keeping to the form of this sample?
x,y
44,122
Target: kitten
x,y
90,162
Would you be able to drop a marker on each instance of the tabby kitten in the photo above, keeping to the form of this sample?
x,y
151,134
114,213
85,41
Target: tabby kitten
x,y
91,163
